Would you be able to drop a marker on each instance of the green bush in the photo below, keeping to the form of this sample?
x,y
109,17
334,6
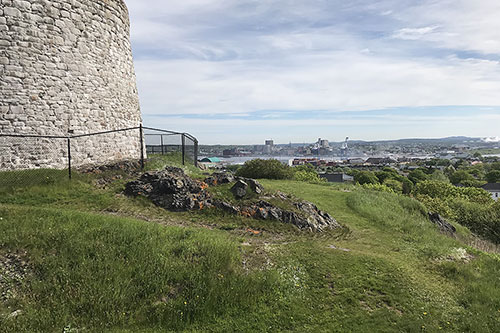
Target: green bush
x,y
417,176
493,176
366,177
308,176
460,176
444,191
268,169
468,206
394,184
407,185
436,205
483,220
439,175
378,187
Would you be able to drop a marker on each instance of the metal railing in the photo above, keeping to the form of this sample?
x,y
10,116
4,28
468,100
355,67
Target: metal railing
x,y
163,142
21,152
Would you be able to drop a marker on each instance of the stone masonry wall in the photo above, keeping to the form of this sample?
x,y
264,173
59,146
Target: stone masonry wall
x,y
66,65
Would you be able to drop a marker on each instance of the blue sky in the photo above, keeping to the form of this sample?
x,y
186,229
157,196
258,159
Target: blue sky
x,y
242,71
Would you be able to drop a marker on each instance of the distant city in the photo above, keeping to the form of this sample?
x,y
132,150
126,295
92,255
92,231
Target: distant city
x,y
327,153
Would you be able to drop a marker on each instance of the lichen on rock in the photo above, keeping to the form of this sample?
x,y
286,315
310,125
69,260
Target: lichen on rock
x,y
172,189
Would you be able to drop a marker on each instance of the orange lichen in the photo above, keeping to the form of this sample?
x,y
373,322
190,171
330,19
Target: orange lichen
x,y
255,232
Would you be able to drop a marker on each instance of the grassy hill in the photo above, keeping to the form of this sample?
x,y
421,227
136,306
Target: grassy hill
x,y
78,257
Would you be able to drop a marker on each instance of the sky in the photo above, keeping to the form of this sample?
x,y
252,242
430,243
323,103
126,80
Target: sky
x,y
243,71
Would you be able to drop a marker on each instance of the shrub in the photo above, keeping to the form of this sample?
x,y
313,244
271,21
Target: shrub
x,y
417,175
460,176
308,176
439,176
436,205
269,169
493,176
481,219
395,185
365,177
445,191
384,175
378,187
407,185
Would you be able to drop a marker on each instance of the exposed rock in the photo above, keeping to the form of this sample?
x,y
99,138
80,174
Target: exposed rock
x,y
173,190
239,189
442,224
228,208
170,189
255,186
307,217
218,178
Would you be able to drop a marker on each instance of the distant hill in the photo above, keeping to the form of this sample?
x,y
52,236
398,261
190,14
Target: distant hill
x,y
435,141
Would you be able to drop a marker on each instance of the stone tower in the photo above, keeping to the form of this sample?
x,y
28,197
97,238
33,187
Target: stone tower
x,y
66,67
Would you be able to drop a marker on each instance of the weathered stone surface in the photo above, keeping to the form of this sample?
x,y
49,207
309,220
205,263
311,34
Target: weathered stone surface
x,y
66,65
442,224
170,189
173,190
218,178
307,216
226,207
254,185
239,189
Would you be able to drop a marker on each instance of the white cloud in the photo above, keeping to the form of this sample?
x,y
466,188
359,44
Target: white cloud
x,y
240,56
347,81
414,33
463,24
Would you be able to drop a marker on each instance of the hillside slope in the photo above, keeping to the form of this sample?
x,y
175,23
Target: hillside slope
x,y
82,258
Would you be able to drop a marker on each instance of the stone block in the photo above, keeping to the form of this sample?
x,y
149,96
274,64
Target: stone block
x,y
12,11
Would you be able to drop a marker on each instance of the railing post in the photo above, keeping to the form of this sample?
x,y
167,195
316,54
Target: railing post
x,y
183,149
162,151
196,153
141,139
69,157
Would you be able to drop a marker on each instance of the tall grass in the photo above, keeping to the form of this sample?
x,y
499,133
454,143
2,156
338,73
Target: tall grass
x,y
97,272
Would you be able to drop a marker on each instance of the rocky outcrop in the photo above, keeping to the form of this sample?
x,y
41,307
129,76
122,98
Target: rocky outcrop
x,y
306,216
256,187
239,189
170,189
219,178
442,224
174,190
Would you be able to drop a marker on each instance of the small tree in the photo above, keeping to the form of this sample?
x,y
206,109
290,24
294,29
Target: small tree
x,y
460,176
493,176
270,169
439,176
417,176
407,186
366,177
395,185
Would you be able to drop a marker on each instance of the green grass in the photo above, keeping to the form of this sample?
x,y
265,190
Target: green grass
x,y
158,162
95,268
130,273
